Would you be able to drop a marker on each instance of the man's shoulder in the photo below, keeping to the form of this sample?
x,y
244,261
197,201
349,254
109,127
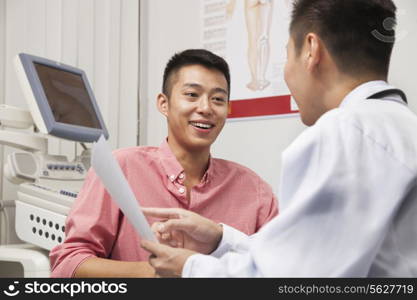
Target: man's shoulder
x,y
137,152
231,165
223,165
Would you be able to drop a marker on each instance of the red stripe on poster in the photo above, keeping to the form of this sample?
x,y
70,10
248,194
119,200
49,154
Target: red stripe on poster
x,y
269,106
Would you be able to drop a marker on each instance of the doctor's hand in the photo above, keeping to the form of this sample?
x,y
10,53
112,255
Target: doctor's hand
x,y
185,229
167,261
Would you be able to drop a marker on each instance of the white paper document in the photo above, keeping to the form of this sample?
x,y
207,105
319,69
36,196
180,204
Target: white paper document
x,y
110,173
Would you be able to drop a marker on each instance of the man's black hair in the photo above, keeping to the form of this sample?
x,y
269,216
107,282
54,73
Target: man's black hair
x,y
359,34
189,57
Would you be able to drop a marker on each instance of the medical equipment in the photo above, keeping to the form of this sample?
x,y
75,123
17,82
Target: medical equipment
x,y
61,104
60,99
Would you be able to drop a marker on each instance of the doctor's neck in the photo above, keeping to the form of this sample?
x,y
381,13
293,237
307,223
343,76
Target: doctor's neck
x,y
340,85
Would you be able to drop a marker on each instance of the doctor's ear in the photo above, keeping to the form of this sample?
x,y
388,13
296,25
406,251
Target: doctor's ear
x,y
313,51
162,104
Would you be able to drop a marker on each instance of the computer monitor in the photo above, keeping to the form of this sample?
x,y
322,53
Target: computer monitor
x,y
60,99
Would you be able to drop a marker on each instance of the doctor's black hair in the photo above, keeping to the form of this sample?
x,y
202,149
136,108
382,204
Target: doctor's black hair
x,y
190,57
359,34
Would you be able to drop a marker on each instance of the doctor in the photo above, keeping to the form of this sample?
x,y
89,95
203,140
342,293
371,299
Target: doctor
x,y
349,179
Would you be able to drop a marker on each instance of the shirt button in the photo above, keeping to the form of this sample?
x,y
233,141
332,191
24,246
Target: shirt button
x,y
172,177
181,190
181,176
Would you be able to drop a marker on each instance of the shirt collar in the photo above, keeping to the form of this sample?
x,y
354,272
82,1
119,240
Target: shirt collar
x,y
365,90
173,168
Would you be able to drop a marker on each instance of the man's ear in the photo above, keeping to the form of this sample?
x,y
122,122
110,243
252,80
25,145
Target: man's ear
x,y
314,48
162,104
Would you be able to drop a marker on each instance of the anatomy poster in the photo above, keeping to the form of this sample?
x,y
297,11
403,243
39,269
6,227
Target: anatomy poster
x,y
252,36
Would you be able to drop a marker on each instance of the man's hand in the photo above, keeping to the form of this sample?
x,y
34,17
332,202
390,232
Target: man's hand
x,y
185,229
167,261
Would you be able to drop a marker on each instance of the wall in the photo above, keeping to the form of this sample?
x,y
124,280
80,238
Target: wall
x,y
99,36
404,61
170,26
2,69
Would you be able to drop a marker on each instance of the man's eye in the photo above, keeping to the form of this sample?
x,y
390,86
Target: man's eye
x,y
219,99
191,94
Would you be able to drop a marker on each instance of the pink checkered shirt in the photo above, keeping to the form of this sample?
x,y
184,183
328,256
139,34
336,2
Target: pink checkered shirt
x,y
228,193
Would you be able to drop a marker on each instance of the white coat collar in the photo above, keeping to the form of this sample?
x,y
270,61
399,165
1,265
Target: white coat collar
x,y
367,89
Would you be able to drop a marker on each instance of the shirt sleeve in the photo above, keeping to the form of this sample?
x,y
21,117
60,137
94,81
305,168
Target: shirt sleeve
x,y
268,204
91,228
340,207
232,240
233,247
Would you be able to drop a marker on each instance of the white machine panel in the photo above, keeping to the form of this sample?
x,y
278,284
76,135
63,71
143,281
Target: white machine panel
x,y
39,226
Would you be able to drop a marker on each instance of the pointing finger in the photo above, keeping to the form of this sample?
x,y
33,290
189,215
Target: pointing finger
x,y
177,224
168,213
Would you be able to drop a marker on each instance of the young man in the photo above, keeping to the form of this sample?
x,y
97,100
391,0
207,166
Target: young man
x,y
350,178
100,242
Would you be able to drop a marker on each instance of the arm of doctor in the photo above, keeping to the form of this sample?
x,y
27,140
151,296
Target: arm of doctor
x,y
182,228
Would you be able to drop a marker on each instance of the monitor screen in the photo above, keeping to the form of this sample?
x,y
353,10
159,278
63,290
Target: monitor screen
x,y
67,97
60,99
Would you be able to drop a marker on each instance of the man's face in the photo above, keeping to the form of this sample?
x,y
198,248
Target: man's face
x,y
301,83
197,108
